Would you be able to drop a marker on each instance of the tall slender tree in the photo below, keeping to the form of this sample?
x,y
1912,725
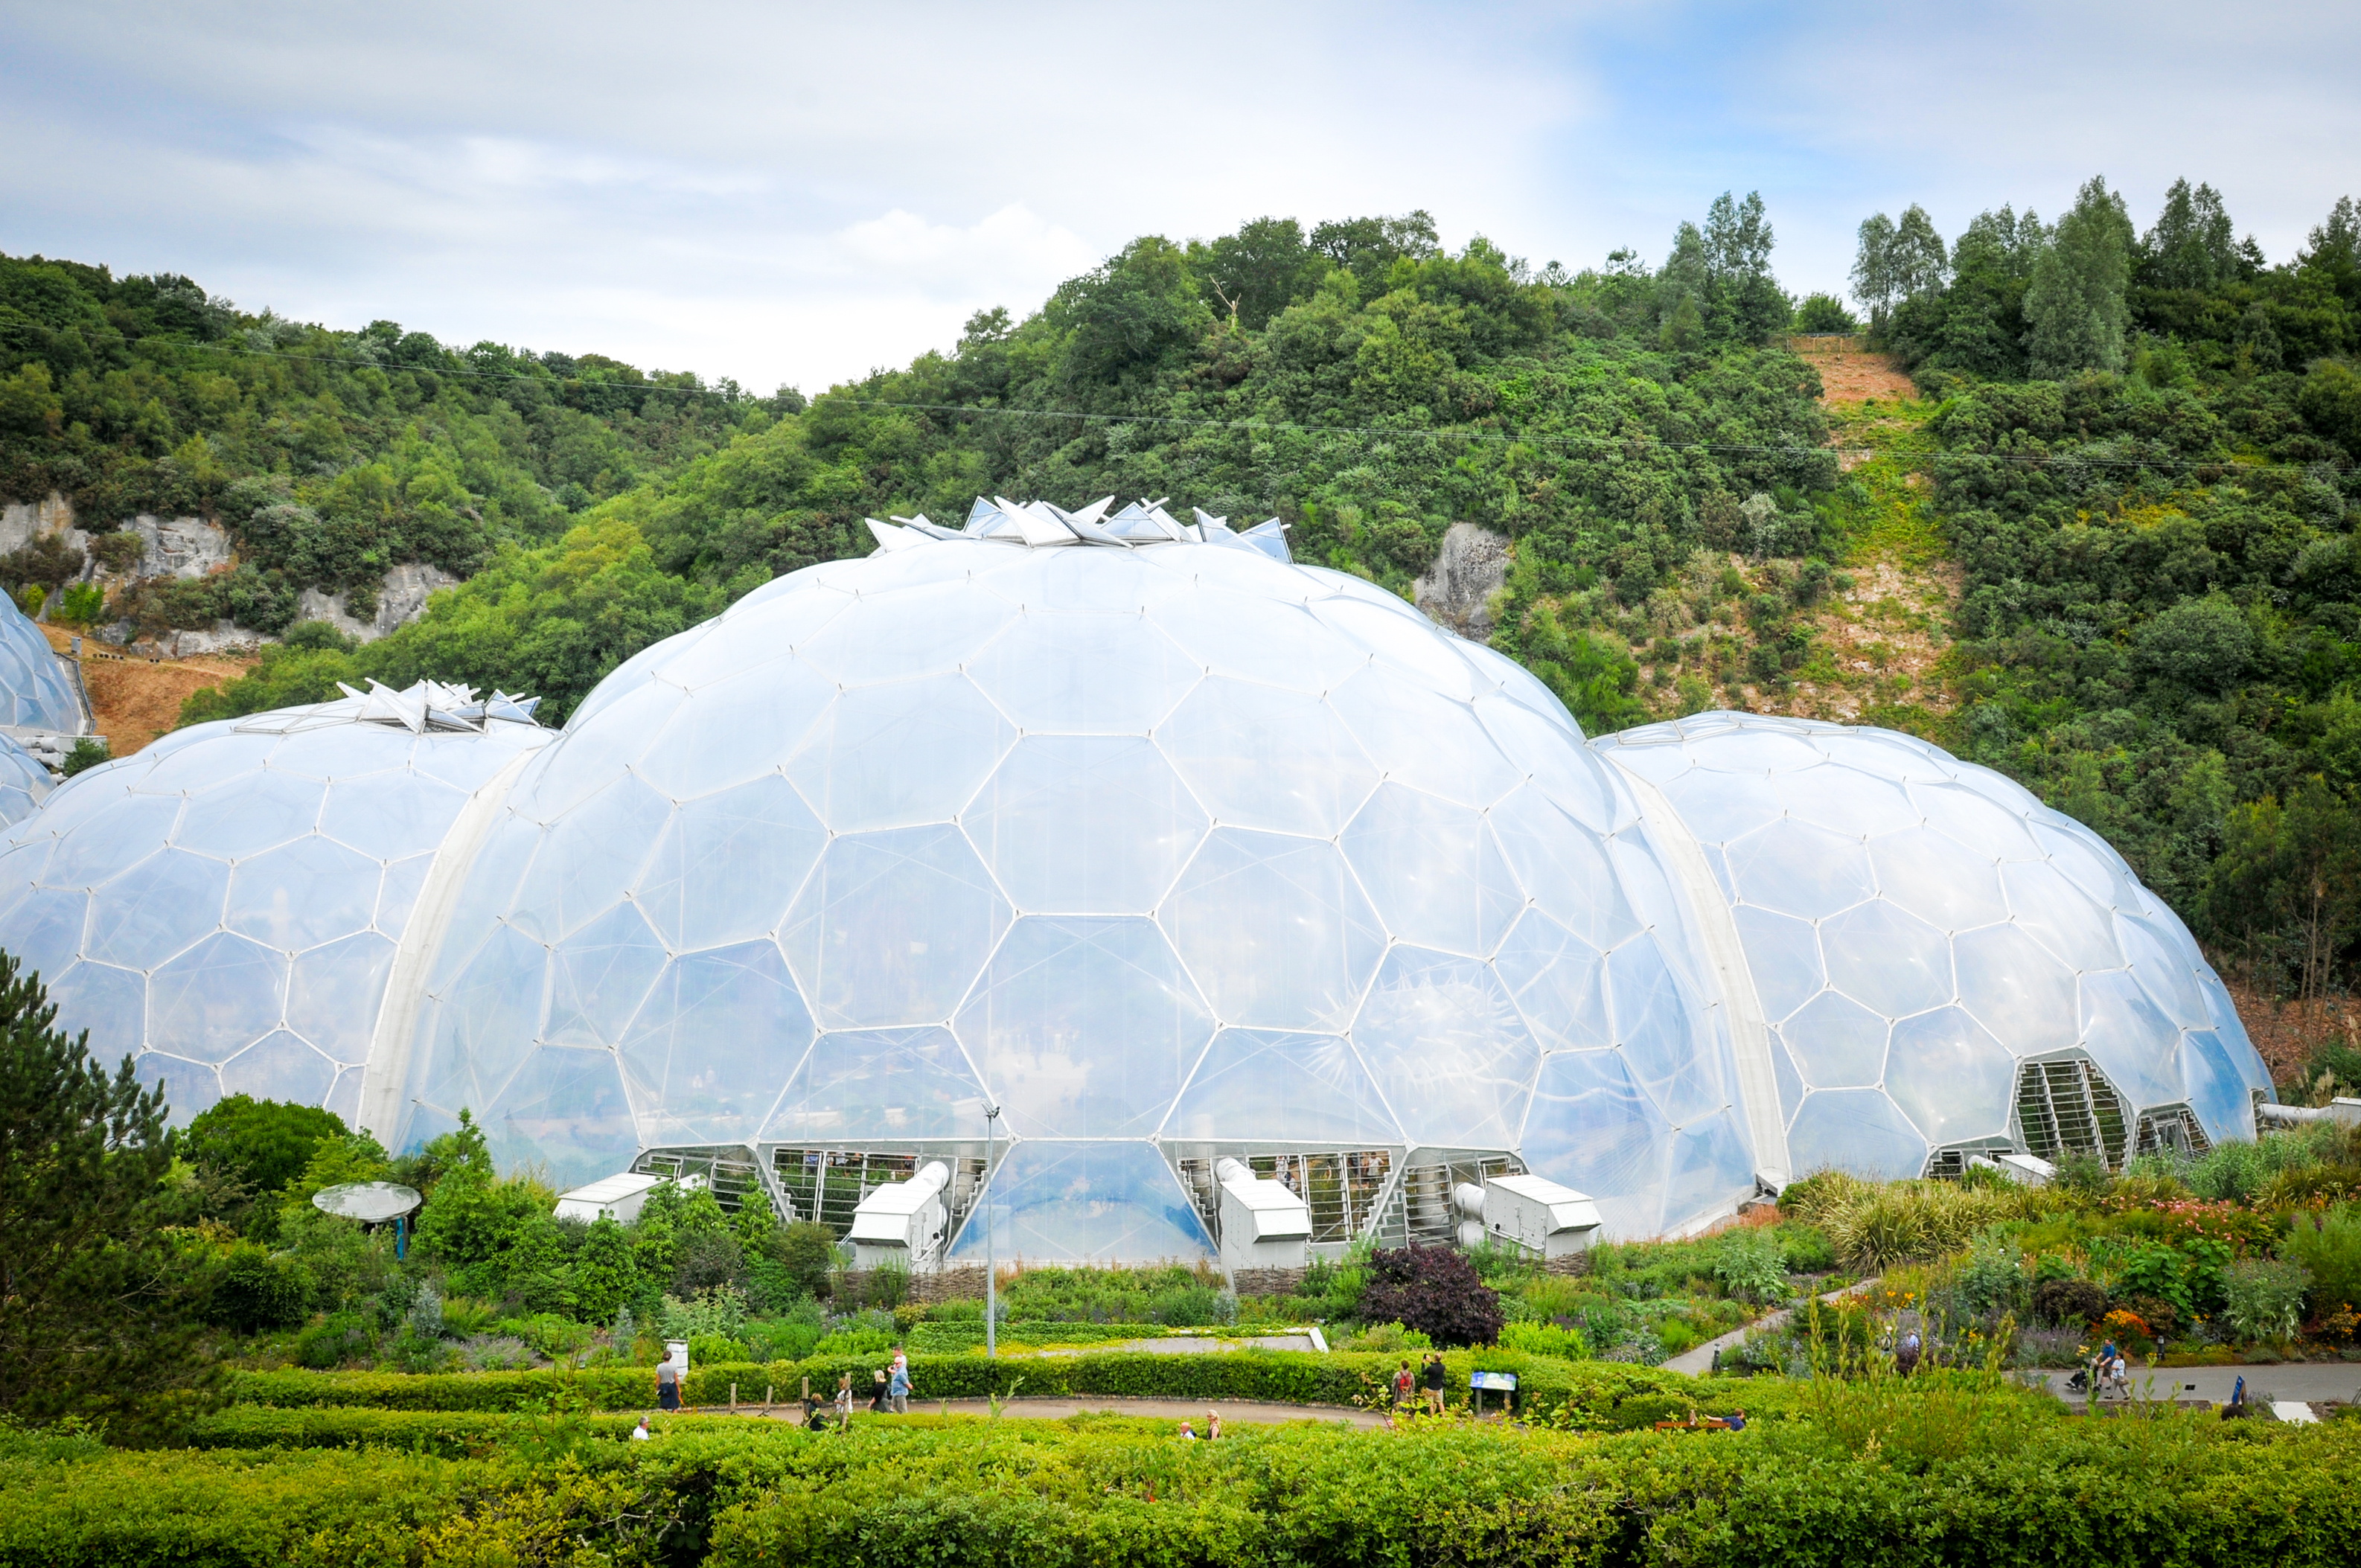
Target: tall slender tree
x,y
2074,310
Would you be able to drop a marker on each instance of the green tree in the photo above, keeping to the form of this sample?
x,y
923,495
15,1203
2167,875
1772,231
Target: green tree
x,y
2285,891
1824,312
2074,308
2193,244
95,1316
606,1273
262,1143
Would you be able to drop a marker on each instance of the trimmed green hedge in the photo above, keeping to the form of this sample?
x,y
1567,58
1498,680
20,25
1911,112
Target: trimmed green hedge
x,y
2027,1486
1600,1391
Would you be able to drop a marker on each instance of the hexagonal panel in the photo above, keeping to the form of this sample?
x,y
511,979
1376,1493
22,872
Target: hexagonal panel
x,y
217,998
567,1111
1937,878
280,1066
1718,806
156,909
2164,969
731,731
1268,1086
1084,674
1085,1027
1591,1128
2131,1039
713,1045
302,894
1673,1054
1448,1048
1784,957
1793,868
1085,823
1413,647
2053,910
891,927
190,1088
728,865
870,1085
334,994
1101,1202
1276,645
480,1026
1836,1043
1559,983
1425,739
929,631
1274,931
1554,760
107,843
244,818
2217,1091
1891,961
899,755
43,927
1845,800
1434,870
1950,1077
1970,819
106,1001
392,815
1261,757
598,977
1563,867
589,857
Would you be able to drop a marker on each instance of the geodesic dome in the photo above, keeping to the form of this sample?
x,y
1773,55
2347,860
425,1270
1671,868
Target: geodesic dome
x,y
1945,965
225,905
23,783
1170,847
35,691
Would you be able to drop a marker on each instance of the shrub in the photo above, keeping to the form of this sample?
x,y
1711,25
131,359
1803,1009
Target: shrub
x,y
1989,1278
254,1290
2329,1245
2069,1303
261,1143
1434,1290
1750,1265
1545,1339
1388,1339
1806,1249
336,1339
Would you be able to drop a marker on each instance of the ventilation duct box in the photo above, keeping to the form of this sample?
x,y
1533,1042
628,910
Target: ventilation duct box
x,y
1263,1225
901,1224
1540,1215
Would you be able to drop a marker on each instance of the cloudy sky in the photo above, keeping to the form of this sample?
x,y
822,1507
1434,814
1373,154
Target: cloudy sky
x,y
790,192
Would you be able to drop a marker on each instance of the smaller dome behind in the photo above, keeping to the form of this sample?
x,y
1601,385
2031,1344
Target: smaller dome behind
x,y
1931,945
224,905
23,783
36,692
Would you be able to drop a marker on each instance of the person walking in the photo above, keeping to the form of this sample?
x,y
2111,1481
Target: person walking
x,y
844,1399
878,1395
668,1383
1436,1378
1405,1388
897,1384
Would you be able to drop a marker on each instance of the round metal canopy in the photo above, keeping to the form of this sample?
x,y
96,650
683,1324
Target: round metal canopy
x,y
370,1202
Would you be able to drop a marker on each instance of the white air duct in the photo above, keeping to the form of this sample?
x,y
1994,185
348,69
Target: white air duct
x,y
1263,1224
902,1223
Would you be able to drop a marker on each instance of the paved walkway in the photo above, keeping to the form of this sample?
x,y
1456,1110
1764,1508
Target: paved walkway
x,y
2313,1382
1699,1361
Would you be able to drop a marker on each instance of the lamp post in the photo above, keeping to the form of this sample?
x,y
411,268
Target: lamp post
x,y
991,1259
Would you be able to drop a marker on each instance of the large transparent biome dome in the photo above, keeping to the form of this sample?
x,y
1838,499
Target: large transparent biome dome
x,y
224,905
1946,965
36,692
1170,847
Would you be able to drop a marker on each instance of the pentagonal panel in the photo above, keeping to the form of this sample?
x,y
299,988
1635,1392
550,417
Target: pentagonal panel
x,y
1085,1027
1563,867
1109,1202
1559,983
1084,674
598,977
890,756
1593,1129
394,814
2015,989
217,998
2048,907
1891,961
1784,957
1859,1129
333,994
1261,757
157,908
1937,878
1950,1077
1845,800
869,1085
565,1111
1448,1050
1836,1042
280,1066
1085,823
713,1045
244,817
891,927
302,894
1423,739
1266,1086
1662,1033
728,865
1277,644
1795,868
729,731
1433,870
892,636
1274,930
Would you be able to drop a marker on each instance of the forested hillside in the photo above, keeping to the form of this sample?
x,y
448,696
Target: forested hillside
x,y
2107,548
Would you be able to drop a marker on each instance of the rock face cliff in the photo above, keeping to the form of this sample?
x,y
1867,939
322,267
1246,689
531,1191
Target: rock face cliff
x,y
190,547
1456,591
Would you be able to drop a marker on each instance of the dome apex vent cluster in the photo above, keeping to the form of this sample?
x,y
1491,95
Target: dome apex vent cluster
x,y
1039,525
420,707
